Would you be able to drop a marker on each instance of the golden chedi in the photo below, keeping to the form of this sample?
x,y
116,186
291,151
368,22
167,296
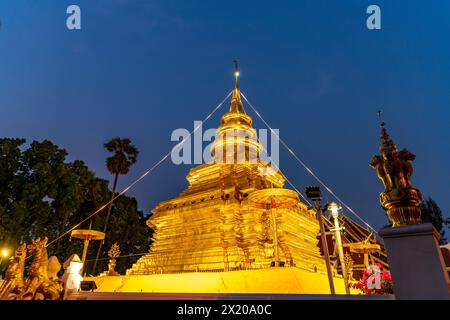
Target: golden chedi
x,y
394,168
235,213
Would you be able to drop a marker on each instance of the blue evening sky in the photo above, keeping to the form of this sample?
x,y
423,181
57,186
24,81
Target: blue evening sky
x,y
141,69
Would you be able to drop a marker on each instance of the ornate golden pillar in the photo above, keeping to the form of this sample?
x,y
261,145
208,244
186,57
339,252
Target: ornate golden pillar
x,y
394,168
415,259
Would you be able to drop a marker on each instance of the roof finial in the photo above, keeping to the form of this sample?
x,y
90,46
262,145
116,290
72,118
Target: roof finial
x,y
387,145
236,74
379,115
236,103
379,118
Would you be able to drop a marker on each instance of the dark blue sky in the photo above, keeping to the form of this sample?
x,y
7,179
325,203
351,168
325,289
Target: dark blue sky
x,y
141,69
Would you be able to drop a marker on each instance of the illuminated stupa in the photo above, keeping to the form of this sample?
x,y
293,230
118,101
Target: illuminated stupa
x,y
235,213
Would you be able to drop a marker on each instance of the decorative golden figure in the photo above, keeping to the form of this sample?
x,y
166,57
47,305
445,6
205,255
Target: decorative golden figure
x,y
113,253
349,265
38,281
14,282
394,169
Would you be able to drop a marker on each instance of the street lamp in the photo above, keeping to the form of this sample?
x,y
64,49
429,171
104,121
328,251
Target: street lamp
x,y
334,208
313,193
4,254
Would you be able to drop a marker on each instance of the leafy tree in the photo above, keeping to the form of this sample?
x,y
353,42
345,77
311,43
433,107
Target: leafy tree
x,y
129,231
43,195
433,214
125,155
10,181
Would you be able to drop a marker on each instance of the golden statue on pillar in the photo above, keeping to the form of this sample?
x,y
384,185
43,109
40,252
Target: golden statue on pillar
x,y
394,168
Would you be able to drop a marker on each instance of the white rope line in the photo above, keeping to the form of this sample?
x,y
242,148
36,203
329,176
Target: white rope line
x,y
288,181
145,173
307,168
301,195
120,257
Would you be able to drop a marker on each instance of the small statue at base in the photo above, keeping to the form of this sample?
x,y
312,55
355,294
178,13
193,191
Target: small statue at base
x,y
113,253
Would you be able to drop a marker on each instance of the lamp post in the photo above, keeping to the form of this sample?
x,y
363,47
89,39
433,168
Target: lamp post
x,y
334,208
4,254
313,193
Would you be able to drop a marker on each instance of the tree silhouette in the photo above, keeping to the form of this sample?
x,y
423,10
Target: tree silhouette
x,y
433,214
41,194
125,155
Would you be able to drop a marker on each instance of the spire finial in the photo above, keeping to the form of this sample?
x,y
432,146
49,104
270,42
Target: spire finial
x,y
387,145
379,115
236,74
236,103
379,118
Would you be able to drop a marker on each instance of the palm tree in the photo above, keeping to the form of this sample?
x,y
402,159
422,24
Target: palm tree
x,y
125,155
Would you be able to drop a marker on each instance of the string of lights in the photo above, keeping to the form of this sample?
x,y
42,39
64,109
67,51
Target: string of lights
x,y
307,168
146,173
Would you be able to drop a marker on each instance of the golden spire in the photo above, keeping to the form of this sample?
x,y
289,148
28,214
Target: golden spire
x,y
387,145
236,74
236,103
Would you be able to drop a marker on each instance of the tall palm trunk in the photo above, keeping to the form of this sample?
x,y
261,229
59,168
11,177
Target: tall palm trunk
x,y
106,222
63,226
